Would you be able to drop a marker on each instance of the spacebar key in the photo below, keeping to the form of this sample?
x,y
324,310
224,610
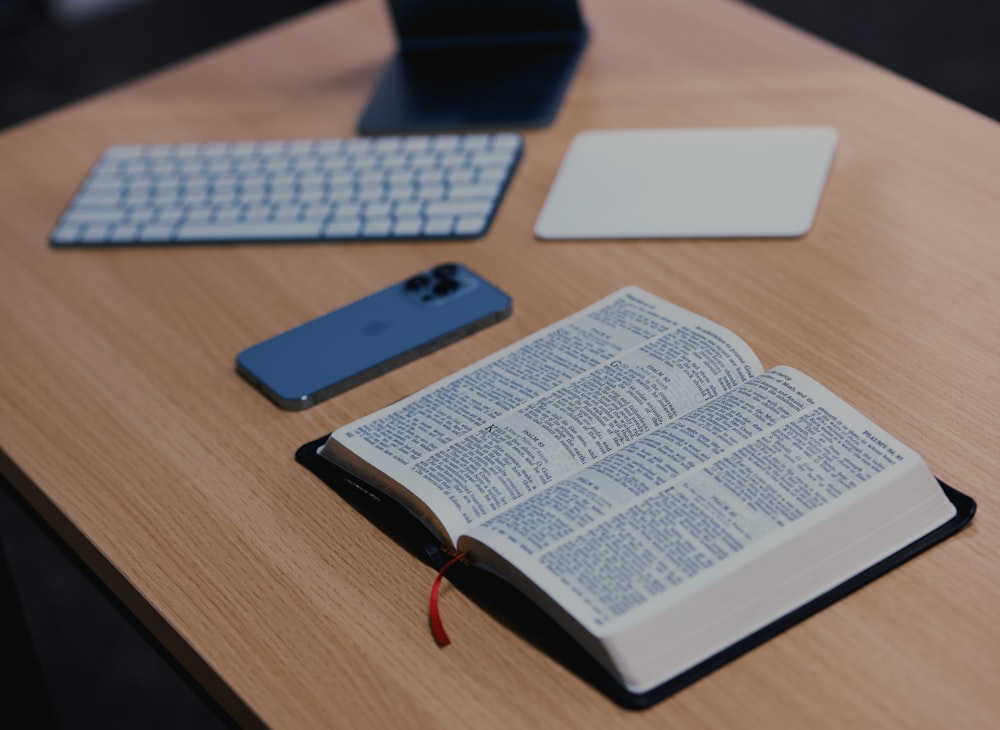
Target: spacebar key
x,y
263,231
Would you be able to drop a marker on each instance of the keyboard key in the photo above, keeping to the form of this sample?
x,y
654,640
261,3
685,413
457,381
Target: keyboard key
x,y
100,197
347,210
458,207
155,234
507,141
462,175
433,191
94,215
477,142
96,233
484,191
376,227
408,226
67,232
490,158
453,159
268,231
229,214
424,164
286,212
315,212
204,215
438,226
419,186
341,192
344,228
407,208
444,142
123,232
371,193
377,210
495,175
471,225
254,215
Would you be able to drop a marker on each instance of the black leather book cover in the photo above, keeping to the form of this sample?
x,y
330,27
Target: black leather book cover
x,y
509,606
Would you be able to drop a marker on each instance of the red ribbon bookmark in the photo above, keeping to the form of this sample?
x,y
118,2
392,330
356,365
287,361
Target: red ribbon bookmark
x,y
437,628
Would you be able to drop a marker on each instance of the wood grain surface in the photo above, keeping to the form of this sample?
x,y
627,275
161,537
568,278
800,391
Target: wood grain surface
x,y
123,422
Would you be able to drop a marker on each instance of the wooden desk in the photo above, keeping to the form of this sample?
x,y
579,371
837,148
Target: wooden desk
x,y
123,423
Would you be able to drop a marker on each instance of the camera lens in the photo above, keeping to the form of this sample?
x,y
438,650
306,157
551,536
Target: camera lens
x,y
445,286
445,271
416,283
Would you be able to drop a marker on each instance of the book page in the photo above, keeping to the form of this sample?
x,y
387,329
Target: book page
x,y
492,434
698,498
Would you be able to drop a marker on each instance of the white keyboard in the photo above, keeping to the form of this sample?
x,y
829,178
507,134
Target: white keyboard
x,y
411,187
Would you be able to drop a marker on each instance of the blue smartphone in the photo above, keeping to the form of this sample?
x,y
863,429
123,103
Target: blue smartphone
x,y
351,345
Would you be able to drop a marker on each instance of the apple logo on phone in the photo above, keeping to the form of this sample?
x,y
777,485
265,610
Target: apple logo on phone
x,y
375,327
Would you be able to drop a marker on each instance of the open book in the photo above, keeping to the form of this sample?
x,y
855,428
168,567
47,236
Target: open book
x,y
635,472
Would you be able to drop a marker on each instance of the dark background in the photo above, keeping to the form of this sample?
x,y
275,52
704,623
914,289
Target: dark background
x,y
69,656
47,59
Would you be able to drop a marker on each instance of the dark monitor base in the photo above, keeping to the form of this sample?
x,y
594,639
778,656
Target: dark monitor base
x,y
470,88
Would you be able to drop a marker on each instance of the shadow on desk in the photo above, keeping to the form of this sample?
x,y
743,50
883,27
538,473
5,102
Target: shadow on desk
x,y
71,657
